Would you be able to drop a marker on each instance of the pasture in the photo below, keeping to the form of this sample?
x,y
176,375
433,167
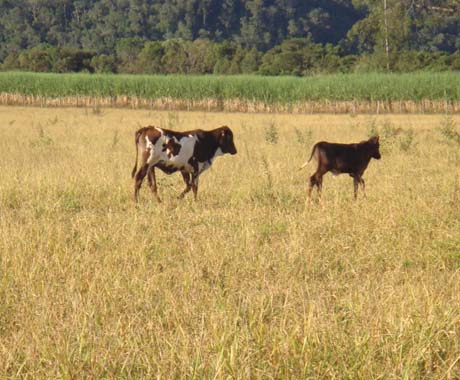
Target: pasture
x,y
249,282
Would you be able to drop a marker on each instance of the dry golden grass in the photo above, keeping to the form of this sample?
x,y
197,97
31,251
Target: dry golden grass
x,y
236,105
246,283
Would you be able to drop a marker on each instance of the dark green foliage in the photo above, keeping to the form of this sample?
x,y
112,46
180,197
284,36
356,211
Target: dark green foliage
x,y
45,58
103,64
150,58
39,59
73,60
174,60
100,24
270,37
127,51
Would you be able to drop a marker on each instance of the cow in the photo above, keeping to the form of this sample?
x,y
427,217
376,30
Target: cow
x,y
190,152
342,158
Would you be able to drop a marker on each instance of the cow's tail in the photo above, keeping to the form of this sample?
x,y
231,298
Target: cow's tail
x,y
311,156
136,143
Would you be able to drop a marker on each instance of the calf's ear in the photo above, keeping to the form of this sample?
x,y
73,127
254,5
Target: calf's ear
x,y
225,130
225,133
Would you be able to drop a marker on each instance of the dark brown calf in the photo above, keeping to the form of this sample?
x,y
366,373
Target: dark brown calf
x,y
342,158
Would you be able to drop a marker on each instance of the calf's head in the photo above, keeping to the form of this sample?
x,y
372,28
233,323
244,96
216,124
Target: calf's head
x,y
374,146
225,140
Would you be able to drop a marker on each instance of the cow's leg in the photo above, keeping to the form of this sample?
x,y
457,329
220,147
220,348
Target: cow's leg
x,y
140,175
195,185
186,177
142,172
153,182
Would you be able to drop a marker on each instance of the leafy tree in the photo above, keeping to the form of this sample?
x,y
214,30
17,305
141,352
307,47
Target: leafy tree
x,y
150,58
222,66
251,61
40,58
73,60
103,64
127,50
11,62
201,56
267,66
175,60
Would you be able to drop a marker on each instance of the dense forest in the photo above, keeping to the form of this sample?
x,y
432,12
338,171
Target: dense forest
x,y
271,37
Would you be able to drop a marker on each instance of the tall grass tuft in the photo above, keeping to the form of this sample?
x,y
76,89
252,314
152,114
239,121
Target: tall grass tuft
x,y
271,133
449,129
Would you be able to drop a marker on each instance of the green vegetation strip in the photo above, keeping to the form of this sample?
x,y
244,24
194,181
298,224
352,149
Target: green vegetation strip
x,y
284,90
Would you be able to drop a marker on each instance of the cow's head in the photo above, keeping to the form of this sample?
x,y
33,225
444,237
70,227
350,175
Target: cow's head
x,y
225,140
374,147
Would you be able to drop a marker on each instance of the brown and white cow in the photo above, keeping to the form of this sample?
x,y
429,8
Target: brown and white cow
x,y
343,158
190,152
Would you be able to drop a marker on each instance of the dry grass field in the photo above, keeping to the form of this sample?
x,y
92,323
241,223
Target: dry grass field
x,y
249,282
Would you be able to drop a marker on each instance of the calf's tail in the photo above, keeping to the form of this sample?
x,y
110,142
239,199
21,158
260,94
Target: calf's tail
x,y
311,156
136,143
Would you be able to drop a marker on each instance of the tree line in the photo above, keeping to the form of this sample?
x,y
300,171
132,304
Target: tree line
x,y
270,37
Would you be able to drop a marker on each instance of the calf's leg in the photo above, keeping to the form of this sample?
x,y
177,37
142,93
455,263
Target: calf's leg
x,y
356,182
316,180
363,186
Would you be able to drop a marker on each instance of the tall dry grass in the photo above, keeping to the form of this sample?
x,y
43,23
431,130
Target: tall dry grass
x,y
237,105
246,283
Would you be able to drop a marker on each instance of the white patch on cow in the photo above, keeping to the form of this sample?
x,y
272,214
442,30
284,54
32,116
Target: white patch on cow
x,y
150,147
185,153
202,166
179,161
218,153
